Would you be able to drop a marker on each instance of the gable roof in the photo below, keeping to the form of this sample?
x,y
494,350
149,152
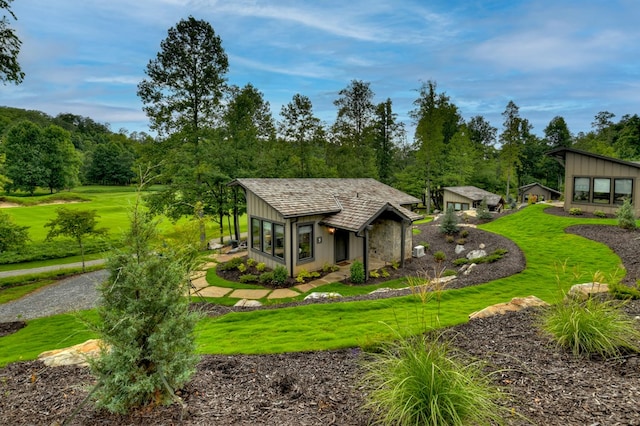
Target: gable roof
x,y
560,154
347,203
475,194
531,185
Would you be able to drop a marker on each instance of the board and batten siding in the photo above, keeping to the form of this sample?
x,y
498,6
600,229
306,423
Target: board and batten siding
x,y
578,165
450,197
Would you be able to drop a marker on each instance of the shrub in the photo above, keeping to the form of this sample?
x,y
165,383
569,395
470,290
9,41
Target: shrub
x,y
591,327
248,278
266,277
600,213
483,212
460,261
425,245
357,272
449,225
449,239
12,236
280,275
374,274
464,233
461,241
449,273
146,321
242,267
621,291
327,267
419,381
439,256
626,215
230,265
260,267
251,262
384,273
575,211
395,264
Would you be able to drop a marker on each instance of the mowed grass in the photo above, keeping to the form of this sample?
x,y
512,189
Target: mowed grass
x,y
339,325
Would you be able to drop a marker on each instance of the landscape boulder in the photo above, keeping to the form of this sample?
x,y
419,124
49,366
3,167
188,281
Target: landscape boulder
x,y
475,254
248,303
587,290
74,355
322,295
516,304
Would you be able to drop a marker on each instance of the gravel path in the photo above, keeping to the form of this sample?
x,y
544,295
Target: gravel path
x,y
70,294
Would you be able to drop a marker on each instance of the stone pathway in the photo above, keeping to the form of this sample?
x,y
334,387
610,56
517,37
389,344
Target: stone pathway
x,y
202,288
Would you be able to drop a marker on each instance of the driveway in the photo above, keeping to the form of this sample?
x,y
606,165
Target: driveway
x,y
69,294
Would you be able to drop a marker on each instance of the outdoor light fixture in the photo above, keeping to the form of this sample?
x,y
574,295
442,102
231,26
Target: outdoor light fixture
x,y
331,230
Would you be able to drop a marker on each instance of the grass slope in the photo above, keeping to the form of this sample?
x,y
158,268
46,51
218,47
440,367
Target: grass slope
x,y
338,325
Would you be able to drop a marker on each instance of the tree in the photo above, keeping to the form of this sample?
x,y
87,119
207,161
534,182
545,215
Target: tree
x,y
145,322
461,159
302,131
60,159
557,133
76,224
351,131
10,44
387,132
516,131
182,97
437,120
111,164
24,163
12,236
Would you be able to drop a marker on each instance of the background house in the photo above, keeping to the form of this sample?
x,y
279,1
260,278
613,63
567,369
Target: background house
x,y
469,197
308,223
595,182
543,193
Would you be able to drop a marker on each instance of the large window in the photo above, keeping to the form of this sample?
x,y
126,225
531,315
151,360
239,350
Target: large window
x,y
279,241
305,242
623,190
581,189
267,237
601,191
458,206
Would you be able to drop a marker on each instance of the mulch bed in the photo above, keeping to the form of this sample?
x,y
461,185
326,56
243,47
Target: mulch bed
x,y
547,386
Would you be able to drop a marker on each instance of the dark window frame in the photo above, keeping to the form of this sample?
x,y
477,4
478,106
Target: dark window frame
x,y
259,223
618,200
311,250
582,199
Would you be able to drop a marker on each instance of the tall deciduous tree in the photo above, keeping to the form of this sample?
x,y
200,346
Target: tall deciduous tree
x,y
351,131
60,159
304,135
182,96
437,120
10,70
515,131
24,163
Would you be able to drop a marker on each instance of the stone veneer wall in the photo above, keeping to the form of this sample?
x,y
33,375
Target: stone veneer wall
x,y
385,240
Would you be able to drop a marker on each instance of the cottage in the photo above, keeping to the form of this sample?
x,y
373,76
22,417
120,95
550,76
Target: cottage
x,y
462,198
541,192
595,182
308,223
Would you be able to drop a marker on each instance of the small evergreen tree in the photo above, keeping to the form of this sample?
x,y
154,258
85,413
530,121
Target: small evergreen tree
x,y
626,215
449,223
483,212
145,323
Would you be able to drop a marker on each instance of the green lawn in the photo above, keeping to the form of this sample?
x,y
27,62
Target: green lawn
x,y
338,325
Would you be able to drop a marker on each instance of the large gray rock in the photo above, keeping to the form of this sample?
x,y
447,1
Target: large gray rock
x,y
247,303
322,295
459,248
475,254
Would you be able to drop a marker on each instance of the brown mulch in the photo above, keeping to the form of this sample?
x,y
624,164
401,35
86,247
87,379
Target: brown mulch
x,y
547,386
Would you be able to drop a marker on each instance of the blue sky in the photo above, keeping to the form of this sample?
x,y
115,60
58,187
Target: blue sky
x,y
551,57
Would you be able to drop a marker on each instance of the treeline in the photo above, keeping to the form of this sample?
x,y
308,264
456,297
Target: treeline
x,y
61,152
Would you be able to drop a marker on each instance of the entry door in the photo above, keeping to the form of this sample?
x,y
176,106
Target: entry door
x,y
341,245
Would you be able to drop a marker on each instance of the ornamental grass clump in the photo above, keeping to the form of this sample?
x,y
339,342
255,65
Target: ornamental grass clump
x,y
422,381
592,327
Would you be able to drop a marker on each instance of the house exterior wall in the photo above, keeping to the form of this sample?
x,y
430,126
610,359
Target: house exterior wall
x,y
450,197
582,166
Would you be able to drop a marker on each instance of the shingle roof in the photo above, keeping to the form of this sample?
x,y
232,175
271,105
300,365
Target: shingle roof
x,y
531,185
347,203
475,194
